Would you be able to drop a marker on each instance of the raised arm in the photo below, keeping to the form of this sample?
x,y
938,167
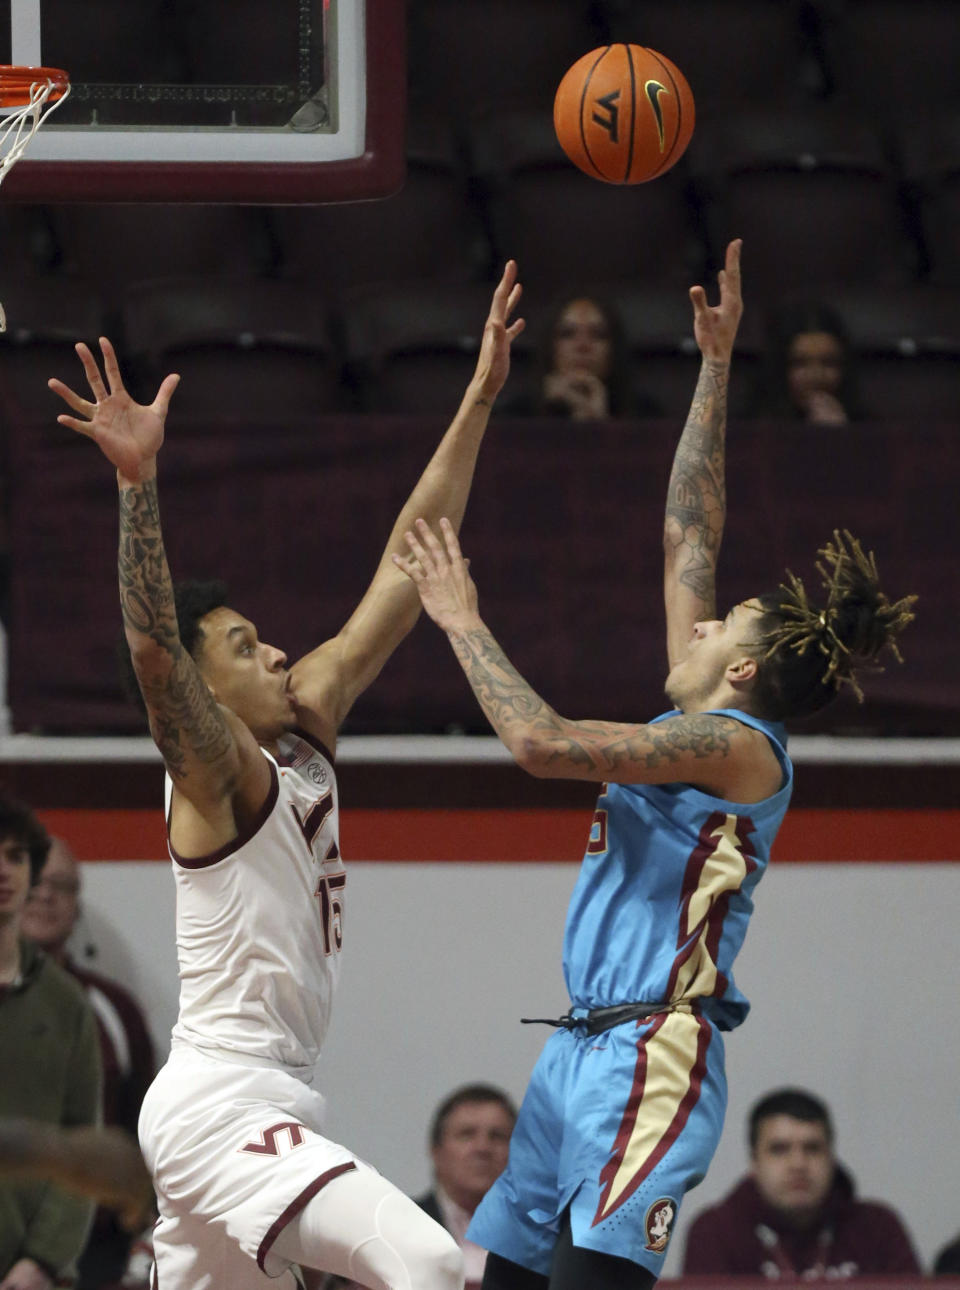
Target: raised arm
x,y
328,681
714,752
196,737
696,495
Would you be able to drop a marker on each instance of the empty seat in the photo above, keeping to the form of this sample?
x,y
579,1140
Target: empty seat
x,y
890,54
464,52
429,229
119,243
562,225
930,150
45,318
412,347
252,348
812,194
730,51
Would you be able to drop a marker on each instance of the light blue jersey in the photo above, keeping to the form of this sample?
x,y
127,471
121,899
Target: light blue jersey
x,y
618,1126
664,896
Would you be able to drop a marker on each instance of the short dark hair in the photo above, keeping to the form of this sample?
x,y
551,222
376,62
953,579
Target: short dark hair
x,y
17,821
460,1097
812,651
795,1102
192,600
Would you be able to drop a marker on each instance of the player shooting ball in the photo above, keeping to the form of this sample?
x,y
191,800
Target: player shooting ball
x,y
613,1132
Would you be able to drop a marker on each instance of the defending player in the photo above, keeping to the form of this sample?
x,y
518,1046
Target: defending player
x,y
625,1106
231,1128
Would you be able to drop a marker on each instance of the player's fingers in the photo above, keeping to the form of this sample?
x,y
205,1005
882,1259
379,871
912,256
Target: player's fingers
x,y
431,541
94,379
514,298
454,554
72,423
515,328
162,402
730,277
71,398
111,366
698,298
409,565
417,551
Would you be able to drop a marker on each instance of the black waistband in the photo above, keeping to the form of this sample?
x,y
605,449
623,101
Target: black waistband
x,y
597,1020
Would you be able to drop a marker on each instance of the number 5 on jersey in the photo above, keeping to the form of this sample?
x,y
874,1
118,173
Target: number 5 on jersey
x,y
331,910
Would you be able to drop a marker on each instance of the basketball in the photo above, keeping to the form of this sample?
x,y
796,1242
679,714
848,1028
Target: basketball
x,y
624,114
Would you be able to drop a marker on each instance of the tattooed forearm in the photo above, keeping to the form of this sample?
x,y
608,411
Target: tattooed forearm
x,y
546,742
696,495
511,705
146,592
185,720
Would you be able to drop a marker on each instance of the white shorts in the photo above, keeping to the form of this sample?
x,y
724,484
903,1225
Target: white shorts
x,y
236,1152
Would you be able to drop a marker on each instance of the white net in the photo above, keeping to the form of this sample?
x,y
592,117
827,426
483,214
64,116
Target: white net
x,y
19,127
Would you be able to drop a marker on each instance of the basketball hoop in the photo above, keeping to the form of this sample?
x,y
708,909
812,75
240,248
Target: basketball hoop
x,y
33,93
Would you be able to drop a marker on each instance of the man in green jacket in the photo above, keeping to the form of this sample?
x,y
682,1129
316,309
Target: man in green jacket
x,y
49,1071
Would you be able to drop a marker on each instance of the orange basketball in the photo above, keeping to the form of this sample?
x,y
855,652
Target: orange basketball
x,y
624,114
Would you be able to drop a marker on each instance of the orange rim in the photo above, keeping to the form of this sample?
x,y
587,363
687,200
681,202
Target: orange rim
x,y
16,83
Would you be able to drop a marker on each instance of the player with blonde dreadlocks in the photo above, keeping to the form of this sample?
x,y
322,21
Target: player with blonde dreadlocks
x,y
625,1106
811,653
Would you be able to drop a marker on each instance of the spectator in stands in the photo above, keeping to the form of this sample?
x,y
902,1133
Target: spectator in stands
x,y
126,1049
469,1142
796,1217
48,1026
947,1262
582,371
809,369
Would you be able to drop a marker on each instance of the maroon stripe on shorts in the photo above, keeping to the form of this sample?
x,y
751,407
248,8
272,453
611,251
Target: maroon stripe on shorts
x,y
295,1206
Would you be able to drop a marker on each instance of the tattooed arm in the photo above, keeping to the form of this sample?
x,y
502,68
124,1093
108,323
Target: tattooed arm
x,y
716,753
196,737
696,494
329,680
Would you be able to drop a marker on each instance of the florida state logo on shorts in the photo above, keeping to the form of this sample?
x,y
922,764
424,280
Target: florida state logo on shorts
x,y
658,1224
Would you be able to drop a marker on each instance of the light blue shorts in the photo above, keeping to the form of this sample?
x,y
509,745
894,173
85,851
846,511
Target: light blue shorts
x,y
617,1126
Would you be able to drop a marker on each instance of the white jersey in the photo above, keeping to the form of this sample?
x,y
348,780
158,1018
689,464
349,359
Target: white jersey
x,y
260,922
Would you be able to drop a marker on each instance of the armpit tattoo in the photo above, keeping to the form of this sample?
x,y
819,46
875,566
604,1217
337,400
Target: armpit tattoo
x,y
609,747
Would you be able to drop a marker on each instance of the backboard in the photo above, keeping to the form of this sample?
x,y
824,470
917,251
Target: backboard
x,y
297,101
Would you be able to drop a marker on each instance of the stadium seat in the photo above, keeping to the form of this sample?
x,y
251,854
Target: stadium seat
x,y
256,348
561,225
732,52
412,347
494,51
930,151
429,229
45,318
890,54
812,194
120,243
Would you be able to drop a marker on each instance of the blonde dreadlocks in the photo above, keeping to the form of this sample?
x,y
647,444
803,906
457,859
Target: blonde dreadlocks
x,y
813,651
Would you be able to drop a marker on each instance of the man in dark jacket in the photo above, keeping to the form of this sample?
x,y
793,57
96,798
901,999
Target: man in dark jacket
x,y
796,1214
469,1139
50,1070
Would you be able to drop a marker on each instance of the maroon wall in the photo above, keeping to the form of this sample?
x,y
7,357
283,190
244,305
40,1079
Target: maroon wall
x,y
563,531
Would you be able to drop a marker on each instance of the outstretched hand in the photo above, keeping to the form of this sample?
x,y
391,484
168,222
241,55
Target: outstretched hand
x,y
128,434
499,333
715,326
441,574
